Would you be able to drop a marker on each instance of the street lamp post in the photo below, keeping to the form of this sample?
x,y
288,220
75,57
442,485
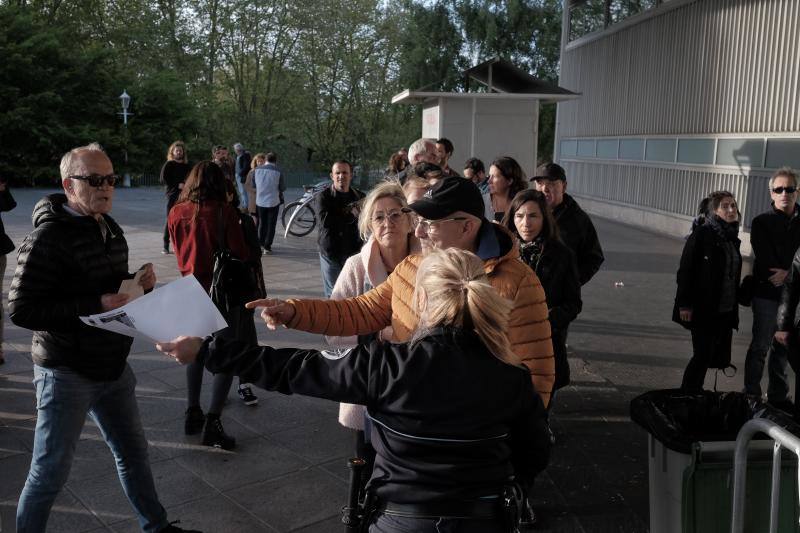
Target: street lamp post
x,y
126,102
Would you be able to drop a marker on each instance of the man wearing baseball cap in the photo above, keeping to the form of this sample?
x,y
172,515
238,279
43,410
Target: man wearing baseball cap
x,y
451,214
575,226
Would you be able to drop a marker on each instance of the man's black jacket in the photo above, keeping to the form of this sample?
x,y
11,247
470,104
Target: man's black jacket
x,y
337,236
451,422
63,268
577,232
774,237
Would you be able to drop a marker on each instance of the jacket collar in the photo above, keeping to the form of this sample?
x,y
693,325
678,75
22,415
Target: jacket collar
x,y
373,263
506,248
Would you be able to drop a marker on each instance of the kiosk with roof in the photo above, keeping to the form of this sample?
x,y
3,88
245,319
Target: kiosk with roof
x,y
500,118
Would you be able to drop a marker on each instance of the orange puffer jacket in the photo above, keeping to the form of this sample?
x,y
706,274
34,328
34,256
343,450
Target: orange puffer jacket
x,y
390,304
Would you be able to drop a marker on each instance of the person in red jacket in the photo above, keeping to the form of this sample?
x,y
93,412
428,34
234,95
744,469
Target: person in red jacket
x,y
195,223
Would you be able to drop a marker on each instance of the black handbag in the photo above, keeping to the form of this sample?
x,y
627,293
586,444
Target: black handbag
x,y
233,283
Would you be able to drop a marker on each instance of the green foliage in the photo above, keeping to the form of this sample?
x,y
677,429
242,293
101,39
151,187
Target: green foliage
x,y
312,81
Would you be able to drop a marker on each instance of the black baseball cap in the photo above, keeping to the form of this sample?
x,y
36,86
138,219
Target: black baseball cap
x,y
550,171
449,195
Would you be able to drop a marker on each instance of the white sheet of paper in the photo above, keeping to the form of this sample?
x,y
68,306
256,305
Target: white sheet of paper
x,y
131,287
181,307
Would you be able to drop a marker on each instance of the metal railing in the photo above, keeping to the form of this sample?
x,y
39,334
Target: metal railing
x,y
783,439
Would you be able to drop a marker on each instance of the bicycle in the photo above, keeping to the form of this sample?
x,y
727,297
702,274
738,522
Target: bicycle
x,y
298,217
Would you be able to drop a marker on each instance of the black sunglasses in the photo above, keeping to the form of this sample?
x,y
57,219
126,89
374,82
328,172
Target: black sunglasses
x,y
96,180
780,190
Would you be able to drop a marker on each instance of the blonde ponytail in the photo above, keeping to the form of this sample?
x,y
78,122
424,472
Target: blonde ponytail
x,y
452,290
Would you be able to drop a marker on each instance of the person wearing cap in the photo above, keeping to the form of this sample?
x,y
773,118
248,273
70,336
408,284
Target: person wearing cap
x,y
450,214
574,225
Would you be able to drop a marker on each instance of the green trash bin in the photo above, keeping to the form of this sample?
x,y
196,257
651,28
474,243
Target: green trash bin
x,y
691,447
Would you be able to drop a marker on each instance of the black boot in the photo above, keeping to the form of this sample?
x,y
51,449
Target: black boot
x,y
193,423
214,434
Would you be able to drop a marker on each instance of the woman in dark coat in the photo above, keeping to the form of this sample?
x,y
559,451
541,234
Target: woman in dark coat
x,y
173,175
708,283
531,221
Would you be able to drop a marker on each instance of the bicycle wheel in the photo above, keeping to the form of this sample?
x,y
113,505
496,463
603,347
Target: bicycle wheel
x,y
303,223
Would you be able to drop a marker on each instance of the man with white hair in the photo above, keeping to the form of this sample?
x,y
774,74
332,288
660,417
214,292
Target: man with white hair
x,y
421,151
72,264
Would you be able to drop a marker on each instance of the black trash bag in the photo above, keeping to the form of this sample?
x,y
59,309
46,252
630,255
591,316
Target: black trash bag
x,y
678,419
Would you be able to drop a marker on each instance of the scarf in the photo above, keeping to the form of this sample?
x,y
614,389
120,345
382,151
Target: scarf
x,y
531,252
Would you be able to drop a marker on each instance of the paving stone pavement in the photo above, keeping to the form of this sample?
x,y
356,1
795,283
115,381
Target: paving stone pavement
x,y
288,470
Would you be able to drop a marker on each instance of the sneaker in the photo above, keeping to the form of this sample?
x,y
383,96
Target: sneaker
x,y
246,394
267,251
194,421
214,434
172,528
165,251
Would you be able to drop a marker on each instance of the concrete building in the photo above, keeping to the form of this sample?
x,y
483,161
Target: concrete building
x,y
679,98
500,118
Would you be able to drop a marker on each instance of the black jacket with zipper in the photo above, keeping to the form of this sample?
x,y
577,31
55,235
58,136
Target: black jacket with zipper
x,y
63,268
451,422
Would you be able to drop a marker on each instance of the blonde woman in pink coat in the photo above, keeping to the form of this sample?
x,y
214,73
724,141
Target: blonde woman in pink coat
x,y
389,236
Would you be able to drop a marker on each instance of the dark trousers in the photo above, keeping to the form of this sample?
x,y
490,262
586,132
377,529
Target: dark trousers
x,y
267,222
711,345
171,199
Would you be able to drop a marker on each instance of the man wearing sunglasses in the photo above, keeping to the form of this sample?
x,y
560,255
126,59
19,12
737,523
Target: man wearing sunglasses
x,y
774,236
72,265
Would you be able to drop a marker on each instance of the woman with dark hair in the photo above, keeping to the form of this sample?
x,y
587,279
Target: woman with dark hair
x,y
706,302
397,163
173,174
506,179
530,219
195,223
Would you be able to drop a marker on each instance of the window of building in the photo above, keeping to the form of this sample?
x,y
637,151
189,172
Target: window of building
x,y
740,152
783,153
569,148
662,150
696,151
586,148
608,148
631,149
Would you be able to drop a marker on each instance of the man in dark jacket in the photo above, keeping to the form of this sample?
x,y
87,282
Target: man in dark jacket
x,y
774,236
337,236
72,265
575,226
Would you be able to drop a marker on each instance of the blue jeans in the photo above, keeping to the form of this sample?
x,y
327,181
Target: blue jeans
x,y
401,524
764,326
243,203
63,399
330,273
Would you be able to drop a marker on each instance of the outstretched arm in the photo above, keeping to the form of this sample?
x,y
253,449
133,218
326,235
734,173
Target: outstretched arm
x,y
340,375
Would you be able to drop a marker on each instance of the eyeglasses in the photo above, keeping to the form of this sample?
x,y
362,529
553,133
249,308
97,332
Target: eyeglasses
x,y
96,180
392,216
787,190
428,224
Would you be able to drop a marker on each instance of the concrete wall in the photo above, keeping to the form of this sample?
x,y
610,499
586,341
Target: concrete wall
x,y
485,128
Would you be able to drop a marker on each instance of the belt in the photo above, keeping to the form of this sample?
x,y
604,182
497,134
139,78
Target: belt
x,y
474,509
